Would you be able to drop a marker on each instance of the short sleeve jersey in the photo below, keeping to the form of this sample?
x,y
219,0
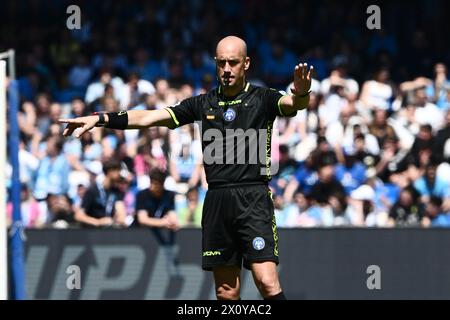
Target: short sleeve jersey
x,y
236,132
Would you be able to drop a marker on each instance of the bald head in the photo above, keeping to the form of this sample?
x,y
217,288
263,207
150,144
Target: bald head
x,y
232,43
232,63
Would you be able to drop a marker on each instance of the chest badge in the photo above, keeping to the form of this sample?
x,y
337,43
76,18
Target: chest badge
x,y
229,115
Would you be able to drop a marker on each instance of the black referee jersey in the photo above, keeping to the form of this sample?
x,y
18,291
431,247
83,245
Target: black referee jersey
x,y
236,132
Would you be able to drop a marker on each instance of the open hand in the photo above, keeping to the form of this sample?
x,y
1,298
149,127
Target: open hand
x,y
302,79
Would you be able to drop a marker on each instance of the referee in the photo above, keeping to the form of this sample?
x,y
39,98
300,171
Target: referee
x,y
238,223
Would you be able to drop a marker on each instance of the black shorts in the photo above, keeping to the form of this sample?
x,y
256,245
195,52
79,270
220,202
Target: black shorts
x,y
238,225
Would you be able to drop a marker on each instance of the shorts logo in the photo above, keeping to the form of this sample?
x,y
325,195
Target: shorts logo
x,y
258,243
229,115
211,253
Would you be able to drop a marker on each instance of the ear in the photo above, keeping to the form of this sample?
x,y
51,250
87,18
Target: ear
x,y
247,63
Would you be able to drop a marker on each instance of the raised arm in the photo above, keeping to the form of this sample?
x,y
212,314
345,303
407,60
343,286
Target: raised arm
x,y
300,93
133,119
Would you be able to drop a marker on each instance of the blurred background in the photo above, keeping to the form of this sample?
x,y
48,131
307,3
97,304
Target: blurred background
x,y
371,150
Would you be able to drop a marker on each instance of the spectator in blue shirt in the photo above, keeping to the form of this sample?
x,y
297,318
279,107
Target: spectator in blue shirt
x,y
432,185
304,179
53,171
434,215
352,173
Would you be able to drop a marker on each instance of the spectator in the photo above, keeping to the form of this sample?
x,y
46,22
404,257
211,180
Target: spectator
x,y
393,160
362,153
380,128
426,112
28,164
432,185
286,169
33,215
434,216
155,206
78,108
53,171
164,95
377,93
422,147
80,74
327,191
442,144
339,79
302,131
407,211
334,102
437,90
352,173
97,89
361,210
60,211
305,178
43,122
186,161
191,214
130,94
102,204
299,214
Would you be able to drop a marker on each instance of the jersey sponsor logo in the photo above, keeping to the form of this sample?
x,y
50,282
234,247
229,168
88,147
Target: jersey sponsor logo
x,y
259,243
229,115
211,253
229,103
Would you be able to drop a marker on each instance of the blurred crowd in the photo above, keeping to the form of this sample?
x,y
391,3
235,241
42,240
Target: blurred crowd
x,y
372,148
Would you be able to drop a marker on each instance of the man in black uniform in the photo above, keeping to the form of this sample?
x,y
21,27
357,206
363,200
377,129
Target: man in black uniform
x,y
238,217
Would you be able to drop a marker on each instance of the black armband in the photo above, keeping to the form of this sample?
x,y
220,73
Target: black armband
x,y
117,120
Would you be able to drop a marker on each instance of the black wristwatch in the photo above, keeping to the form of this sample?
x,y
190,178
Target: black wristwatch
x,y
101,119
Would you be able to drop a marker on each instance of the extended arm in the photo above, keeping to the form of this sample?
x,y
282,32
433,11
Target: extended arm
x,y
137,119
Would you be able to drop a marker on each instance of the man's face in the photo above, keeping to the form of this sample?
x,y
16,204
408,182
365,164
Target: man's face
x,y
326,173
105,77
114,175
440,68
231,65
421,96
431,172
406,198
52,149
192,196
157,188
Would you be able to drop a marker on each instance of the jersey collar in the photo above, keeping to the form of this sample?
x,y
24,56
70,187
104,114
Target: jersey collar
x,y
246,88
